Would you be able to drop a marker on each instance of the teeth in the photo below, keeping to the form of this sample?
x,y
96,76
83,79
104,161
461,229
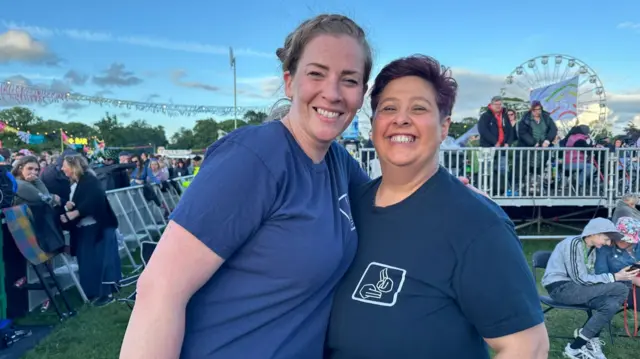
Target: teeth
x,y
402,138
326,113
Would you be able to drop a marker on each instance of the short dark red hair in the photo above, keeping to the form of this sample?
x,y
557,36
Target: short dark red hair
x,y
428,69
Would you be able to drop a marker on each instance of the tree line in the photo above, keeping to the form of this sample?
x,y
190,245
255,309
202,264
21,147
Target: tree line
x,y
114,132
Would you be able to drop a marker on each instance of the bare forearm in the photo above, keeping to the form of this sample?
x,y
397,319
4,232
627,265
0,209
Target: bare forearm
x,y
155,330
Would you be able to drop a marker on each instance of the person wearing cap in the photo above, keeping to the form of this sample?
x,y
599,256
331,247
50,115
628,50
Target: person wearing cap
x,y
494,126
570,278
623,253
536,128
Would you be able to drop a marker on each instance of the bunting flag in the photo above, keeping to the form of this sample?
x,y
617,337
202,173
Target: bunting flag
x,y
30,139
22,94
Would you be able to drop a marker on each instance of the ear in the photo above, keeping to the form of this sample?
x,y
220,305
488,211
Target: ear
x,y
288,84
444,128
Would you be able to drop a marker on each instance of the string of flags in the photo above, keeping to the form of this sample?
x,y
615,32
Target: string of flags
x,y
22,94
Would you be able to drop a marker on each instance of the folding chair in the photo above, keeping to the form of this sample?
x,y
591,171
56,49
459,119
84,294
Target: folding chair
x,y
146,250
539,260
19,225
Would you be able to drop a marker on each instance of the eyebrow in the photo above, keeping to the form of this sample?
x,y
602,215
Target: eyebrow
x,y
326,68
412,99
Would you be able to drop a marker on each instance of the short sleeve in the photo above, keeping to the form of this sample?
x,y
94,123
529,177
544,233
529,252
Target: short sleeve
x,y
495,287
228,200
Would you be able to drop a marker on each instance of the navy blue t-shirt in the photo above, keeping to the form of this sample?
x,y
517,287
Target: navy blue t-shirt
x,y
434,274
284,227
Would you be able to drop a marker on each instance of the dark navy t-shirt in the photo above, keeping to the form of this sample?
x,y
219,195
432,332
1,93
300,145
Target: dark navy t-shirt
x,y
433,275
284,226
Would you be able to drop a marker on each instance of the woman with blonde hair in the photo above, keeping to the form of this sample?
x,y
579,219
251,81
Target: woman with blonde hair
x,y
92,225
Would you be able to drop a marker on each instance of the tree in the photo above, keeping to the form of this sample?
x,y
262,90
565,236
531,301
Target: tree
x,y
632,131
255,117
457,129
183,139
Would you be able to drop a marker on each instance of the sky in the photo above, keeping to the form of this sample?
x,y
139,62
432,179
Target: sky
x,y
171,53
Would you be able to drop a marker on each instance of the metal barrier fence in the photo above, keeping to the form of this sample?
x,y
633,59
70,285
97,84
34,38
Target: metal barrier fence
x,y
138,220
540,176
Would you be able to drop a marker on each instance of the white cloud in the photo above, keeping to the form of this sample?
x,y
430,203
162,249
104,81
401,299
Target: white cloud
x,y
19,46
629,25
143,41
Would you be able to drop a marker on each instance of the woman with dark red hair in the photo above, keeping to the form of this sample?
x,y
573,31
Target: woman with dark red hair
x,y
439,269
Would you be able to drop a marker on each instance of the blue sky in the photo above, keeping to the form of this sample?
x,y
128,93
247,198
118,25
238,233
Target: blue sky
x,y
169,52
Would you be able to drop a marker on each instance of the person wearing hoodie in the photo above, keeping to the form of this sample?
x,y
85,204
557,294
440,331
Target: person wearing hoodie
x,y
536,128
494,126
626,207
570,279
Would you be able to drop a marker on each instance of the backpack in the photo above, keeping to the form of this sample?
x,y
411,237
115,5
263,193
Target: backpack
x,y
8,188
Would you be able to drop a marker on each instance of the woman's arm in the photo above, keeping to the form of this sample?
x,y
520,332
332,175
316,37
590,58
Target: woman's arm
x,y
40,186
179,266
195,244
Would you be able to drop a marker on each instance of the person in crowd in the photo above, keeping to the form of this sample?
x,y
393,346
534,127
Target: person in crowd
x,y
494,126
55,180
513,120
180,170
579,161
31,190
536,128
8,183
124,157
624,252
447,285
157,173
570,278
92,225
144,158
140,173
626,207
197,161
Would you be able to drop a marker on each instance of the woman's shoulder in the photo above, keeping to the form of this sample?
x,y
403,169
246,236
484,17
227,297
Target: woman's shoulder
x,y
259,139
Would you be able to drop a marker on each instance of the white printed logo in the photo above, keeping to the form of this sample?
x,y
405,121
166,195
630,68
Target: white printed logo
x,y
380,285
345,209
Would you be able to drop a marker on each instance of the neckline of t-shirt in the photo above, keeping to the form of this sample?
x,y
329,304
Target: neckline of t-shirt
x,y
299,152
407,201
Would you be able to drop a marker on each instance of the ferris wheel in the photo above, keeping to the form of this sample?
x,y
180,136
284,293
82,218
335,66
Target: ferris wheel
x,y
569,89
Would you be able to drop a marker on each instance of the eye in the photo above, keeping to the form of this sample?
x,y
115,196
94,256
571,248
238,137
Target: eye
x,y
315,74
388,109
419,108
352,81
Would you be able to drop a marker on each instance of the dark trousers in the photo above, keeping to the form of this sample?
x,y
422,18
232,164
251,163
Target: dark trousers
x,y
605,300
98,260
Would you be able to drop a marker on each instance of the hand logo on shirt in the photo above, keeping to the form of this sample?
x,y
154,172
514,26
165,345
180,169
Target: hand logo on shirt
x,y
385,290
384,285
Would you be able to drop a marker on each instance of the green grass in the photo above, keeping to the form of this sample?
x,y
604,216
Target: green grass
x,y
97,332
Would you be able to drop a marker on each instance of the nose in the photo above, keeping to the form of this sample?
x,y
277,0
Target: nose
x,y
402,119
332,91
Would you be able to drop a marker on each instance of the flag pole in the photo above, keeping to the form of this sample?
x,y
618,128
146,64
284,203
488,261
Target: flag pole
x,y
61,142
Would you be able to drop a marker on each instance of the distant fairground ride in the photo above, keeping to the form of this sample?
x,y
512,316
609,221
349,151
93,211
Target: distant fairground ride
x,y
568,88
279,109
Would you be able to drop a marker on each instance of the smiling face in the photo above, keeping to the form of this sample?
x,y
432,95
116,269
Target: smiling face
x,y
327,89
407,130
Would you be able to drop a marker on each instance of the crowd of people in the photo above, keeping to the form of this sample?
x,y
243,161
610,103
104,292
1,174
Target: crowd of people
x,y
67,192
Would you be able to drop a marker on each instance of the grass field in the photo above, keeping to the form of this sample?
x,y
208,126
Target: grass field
x,y
96,333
